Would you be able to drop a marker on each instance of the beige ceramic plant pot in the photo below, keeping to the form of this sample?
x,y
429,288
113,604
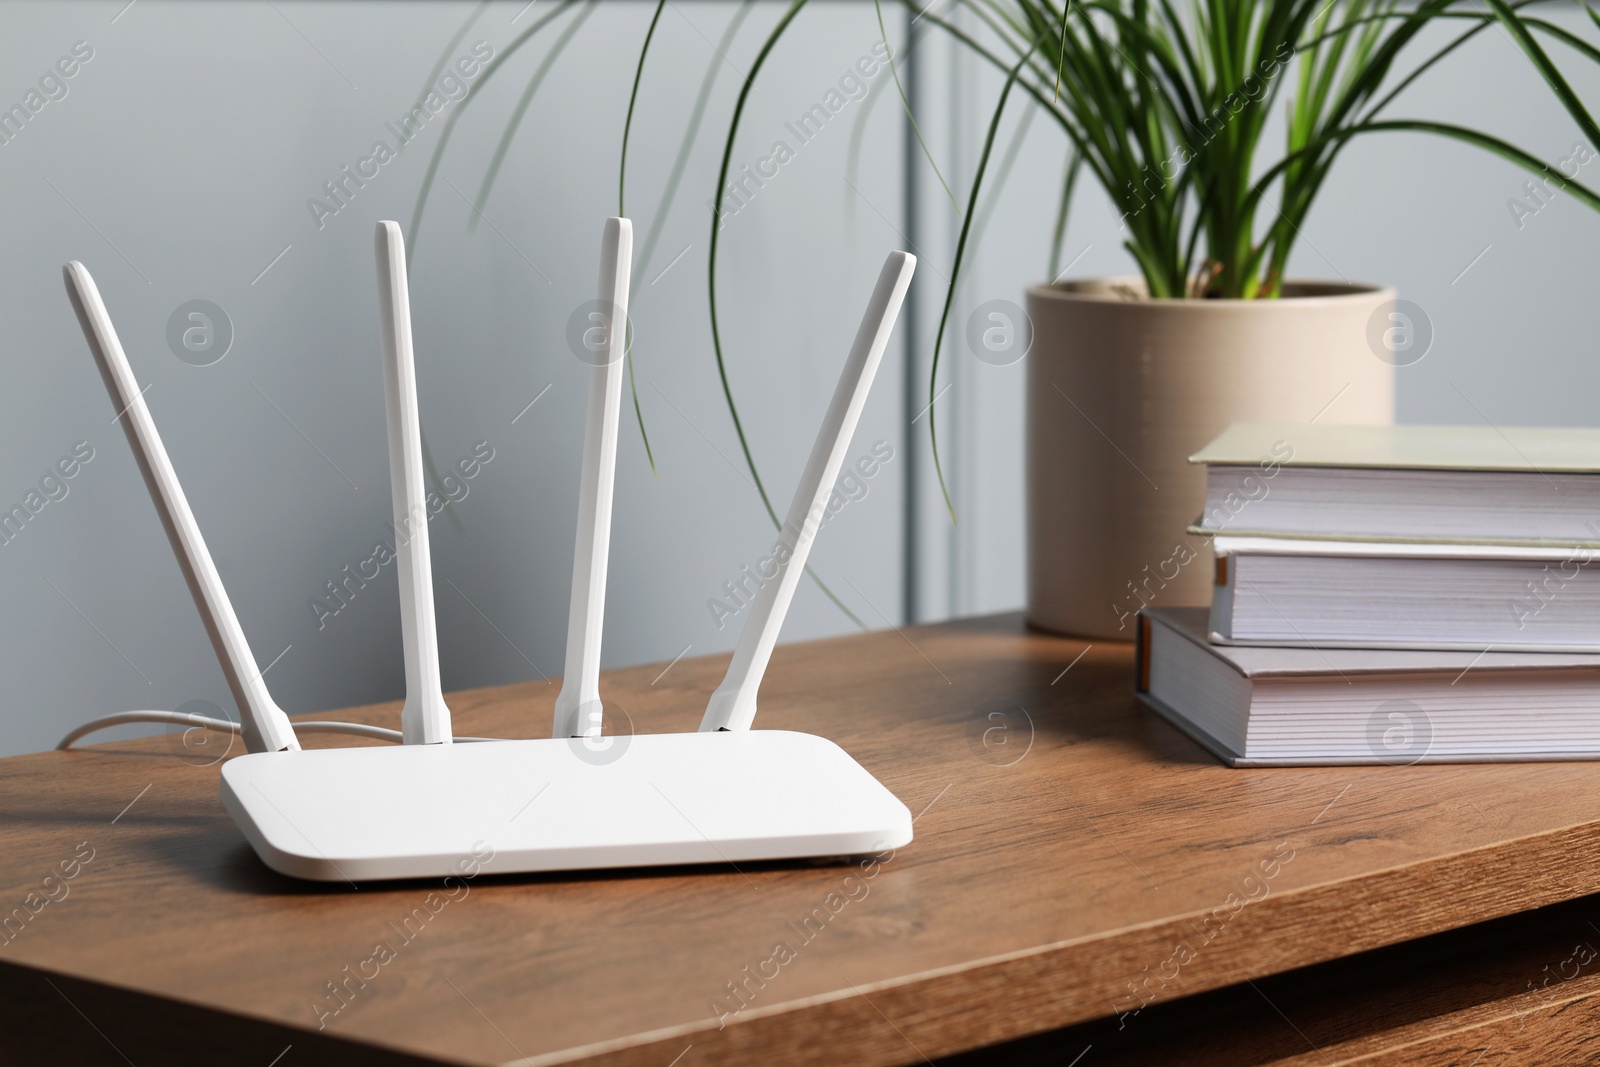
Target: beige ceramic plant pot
x,y
1121,391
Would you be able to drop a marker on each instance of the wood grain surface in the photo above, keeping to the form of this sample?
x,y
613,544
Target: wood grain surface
x,y
1075,858
1522,990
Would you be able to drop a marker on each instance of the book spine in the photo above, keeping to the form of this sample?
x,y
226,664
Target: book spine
x,y
1141,655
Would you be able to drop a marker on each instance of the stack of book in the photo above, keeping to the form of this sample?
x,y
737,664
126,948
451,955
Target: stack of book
x,y
1390,594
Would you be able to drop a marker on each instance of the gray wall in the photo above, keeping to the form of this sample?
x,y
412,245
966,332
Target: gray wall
x,y
179,164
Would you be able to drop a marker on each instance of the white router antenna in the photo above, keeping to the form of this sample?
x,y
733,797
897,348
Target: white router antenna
x,y
578,709
425,719
733,705
266,728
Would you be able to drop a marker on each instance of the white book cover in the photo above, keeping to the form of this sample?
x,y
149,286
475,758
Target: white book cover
x,y
1268,707
1370,594
1429,484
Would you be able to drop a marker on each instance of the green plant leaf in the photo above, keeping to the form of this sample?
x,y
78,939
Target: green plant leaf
x,y
449,50
670,191
515,122
489,71
691,130
858,127
1007,162
1563,35
955,277
1150,98
1522,158
711,275
1547,69
905,103
716,232
627,124
622,210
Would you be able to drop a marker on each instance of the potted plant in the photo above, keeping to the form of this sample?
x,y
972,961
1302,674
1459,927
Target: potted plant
x,y
1166,106
1127,377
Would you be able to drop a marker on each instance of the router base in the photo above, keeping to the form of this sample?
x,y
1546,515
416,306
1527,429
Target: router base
x,y
502,807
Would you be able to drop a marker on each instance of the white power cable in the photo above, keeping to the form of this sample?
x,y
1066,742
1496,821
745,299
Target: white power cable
x,y
178,718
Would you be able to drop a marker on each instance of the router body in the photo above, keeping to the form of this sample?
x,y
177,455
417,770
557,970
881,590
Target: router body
x,y
579,800
555,804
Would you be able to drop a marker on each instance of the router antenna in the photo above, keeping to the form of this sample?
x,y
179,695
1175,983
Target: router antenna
x,y
266,728
578,707
733,705
425,719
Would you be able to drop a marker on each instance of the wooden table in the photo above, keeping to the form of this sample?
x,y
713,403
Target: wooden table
x,y
1085,881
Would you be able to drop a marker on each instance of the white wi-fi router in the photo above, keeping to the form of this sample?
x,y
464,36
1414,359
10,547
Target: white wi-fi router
x,y
579,799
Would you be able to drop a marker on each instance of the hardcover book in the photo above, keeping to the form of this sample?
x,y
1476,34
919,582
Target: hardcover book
x,y
1267,707
1470,484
